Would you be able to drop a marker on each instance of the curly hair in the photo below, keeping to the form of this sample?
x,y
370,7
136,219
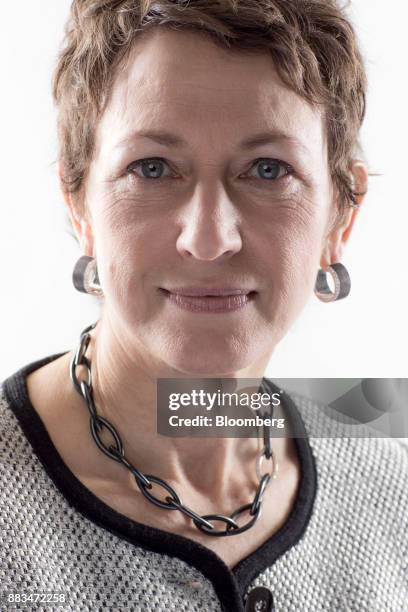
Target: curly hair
x,y
312,43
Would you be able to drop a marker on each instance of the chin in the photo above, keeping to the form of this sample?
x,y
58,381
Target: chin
x,y
208,352
209,371
211,363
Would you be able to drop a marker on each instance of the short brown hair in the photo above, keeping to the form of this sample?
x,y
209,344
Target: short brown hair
x,y
312,43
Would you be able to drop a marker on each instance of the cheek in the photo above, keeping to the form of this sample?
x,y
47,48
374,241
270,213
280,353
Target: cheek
x,y
128,249
297,267
290,248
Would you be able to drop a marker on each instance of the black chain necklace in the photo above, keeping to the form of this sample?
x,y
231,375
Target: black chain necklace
x,y
144,481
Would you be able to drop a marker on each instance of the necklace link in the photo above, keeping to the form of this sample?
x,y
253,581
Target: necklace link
x,y
168,505
259,494
274,465
251,522
229,522
190,513
136,473
98,423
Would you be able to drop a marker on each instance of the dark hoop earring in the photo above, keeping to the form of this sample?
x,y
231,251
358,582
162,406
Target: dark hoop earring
x,y
85,276
342,283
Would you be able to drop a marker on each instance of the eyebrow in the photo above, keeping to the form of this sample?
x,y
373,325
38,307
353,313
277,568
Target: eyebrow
x,y
166,138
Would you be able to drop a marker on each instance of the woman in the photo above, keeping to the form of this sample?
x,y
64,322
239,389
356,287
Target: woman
x,y
208,163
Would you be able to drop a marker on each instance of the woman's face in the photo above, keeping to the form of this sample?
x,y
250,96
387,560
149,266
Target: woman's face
x,y
207,207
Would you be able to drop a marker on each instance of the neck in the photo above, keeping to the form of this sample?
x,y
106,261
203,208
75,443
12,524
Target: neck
x,y
124,380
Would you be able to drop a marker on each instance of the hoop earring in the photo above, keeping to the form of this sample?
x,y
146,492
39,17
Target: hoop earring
x,y
342,283
85,276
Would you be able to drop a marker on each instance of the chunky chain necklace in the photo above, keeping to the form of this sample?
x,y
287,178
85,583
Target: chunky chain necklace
x,y
144,481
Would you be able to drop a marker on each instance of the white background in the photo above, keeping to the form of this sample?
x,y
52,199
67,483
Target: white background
x,y
41,313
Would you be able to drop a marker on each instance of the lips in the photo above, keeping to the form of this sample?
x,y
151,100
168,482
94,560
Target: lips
x,y
208,291
209,300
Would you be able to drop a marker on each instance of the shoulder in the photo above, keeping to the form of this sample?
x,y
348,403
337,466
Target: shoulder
x,y
12,438
365,473
356,542
17,415
9,426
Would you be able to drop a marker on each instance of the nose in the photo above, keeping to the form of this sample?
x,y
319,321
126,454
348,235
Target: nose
x,y
209,227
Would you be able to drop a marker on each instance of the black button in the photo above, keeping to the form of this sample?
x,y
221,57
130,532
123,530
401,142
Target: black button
x,y
259,600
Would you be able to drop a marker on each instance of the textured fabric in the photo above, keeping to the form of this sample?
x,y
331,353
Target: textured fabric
x,y
351,554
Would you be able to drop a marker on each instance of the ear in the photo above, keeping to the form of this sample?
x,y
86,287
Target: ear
x,y
79,219
340,234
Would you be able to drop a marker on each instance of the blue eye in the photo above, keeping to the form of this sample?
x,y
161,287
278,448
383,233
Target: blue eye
x,y
151,168
272,169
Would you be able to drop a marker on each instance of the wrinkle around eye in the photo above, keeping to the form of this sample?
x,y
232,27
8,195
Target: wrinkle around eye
x,y
297,199
126,183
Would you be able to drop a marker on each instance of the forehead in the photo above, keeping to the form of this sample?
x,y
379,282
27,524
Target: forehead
x,y
183,80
